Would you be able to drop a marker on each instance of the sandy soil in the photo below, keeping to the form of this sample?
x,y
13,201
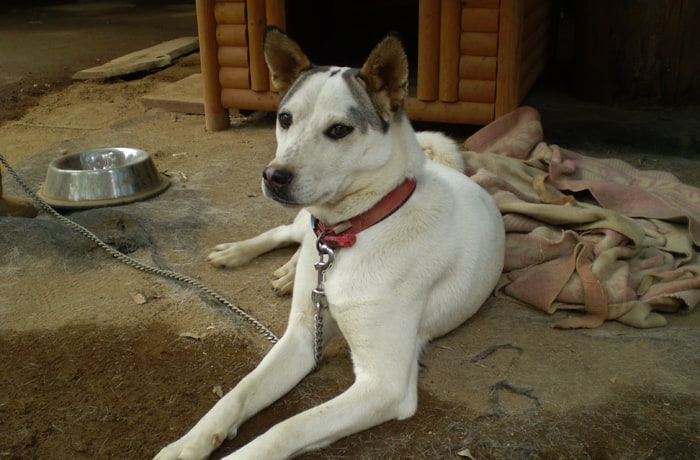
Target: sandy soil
x,y
88,370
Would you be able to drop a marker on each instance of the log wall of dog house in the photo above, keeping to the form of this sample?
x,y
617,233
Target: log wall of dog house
x,y
476,60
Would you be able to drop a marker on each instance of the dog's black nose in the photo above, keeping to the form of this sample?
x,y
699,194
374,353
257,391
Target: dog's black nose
x,y
277,177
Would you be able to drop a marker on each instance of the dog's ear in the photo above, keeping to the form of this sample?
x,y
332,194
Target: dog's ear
x,y
386,74
284,58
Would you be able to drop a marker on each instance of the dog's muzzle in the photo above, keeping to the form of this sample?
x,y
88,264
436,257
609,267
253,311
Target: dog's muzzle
x,y
276,183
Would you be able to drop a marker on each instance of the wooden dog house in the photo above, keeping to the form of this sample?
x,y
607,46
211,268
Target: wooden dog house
x,y
476,59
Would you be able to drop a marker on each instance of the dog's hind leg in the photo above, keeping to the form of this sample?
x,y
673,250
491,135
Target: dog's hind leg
x,y
241,252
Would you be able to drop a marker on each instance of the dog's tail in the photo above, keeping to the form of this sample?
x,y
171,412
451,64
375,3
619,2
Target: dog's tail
x,y
441,148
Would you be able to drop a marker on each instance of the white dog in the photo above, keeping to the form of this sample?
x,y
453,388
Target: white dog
x,y
435,146
409,249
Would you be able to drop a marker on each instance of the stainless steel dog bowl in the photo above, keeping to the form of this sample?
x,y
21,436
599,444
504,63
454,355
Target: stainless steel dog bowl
x,y
101,177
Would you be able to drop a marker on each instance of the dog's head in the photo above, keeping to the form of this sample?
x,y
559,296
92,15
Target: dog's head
x,y
333,123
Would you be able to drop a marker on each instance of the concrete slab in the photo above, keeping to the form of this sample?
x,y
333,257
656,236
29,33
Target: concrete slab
x,y
155,57
183,96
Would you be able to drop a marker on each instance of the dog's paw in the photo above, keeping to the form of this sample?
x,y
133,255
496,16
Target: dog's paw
x,y
282,284
229,255
283,278
192,446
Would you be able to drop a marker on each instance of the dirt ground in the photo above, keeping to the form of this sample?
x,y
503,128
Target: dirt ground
x,y
100,360
44,42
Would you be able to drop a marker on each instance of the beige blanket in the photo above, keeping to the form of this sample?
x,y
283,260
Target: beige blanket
x,y
586,234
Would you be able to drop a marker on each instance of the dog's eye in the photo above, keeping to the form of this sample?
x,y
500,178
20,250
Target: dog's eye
x,y
285,120
338,131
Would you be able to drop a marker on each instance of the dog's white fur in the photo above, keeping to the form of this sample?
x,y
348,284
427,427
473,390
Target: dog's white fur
x,y
414,276
435,145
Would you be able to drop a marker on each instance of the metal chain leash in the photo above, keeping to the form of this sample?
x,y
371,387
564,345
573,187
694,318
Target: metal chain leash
x,y
257,325
318,295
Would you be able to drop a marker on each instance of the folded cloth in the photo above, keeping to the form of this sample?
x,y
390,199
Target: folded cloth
x,y
587,234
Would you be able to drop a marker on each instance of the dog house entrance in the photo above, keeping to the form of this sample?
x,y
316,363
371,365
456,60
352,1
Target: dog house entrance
x,y
470,62
344,33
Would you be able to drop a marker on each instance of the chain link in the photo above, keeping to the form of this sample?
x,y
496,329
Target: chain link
x,y
257,325
318,295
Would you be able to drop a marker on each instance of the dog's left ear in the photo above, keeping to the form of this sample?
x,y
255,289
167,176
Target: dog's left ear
x,y
386,74
284,58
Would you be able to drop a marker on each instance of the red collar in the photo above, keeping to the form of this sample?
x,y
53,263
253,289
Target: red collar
x,y
344,233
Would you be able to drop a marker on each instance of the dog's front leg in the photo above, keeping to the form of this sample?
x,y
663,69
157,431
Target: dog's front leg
x,y
283,367
361,407
385,388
